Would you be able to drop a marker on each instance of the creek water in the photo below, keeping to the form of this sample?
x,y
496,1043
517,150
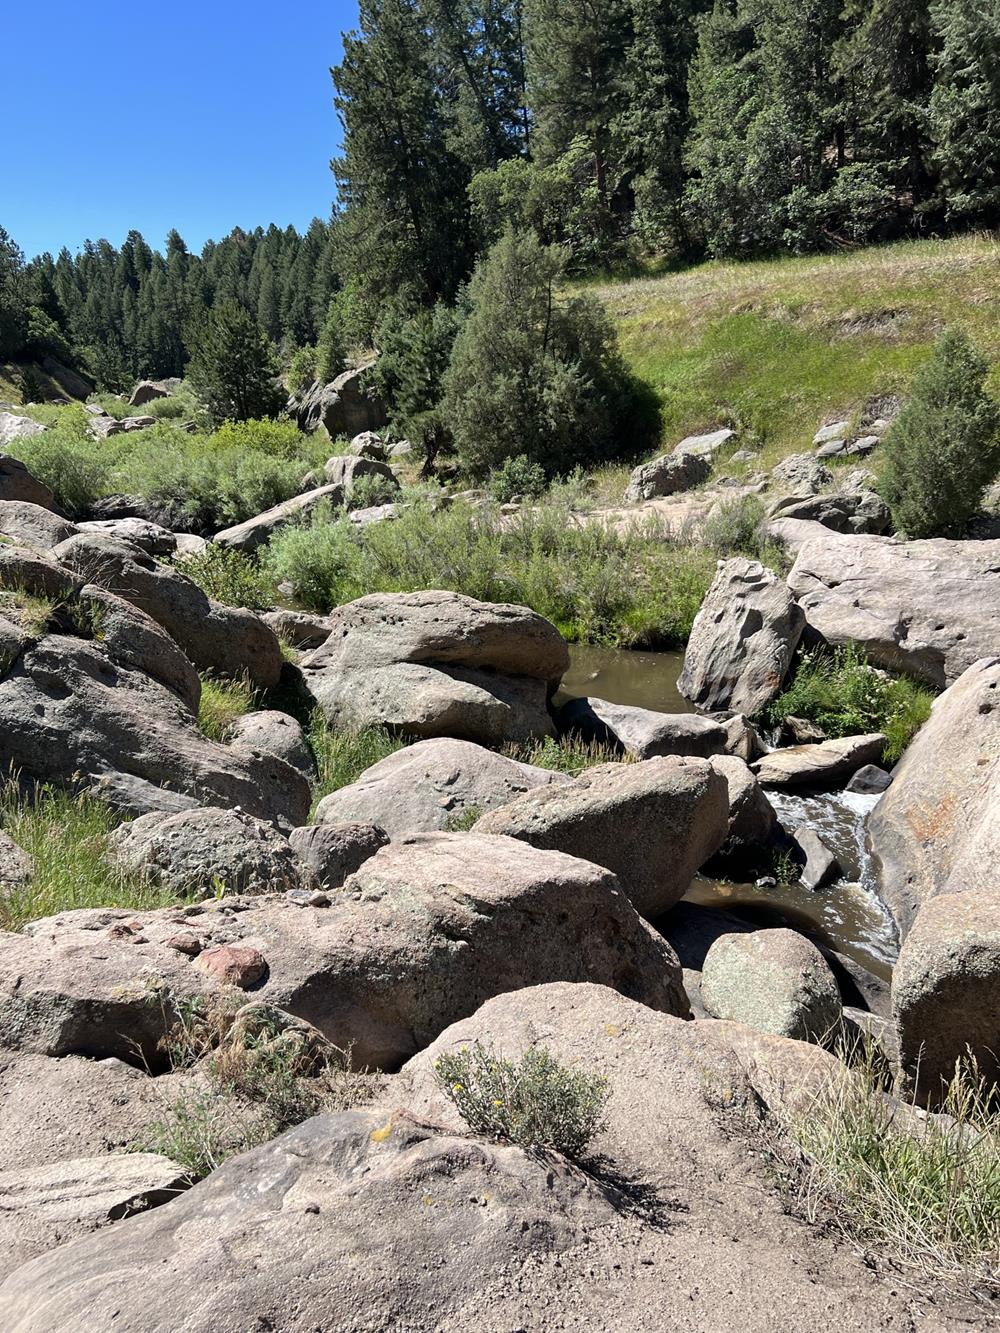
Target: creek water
x,y
848,915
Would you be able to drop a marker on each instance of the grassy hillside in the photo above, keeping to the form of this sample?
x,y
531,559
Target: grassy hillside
x,y
777,346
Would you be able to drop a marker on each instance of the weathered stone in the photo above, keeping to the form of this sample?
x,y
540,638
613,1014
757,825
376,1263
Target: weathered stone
x,y
946,989
369,445
346,406
133,639
258,531
800,731
421,935
335,851
16,866
752,818
803,474
146,391
299,629
821,865
827,764
206,852
641,731
856,512
653,823
937,828
742,739
773,981
707,445
277,734
346,470
233,964
25,570
428,786
14,427
742,640
834,430
32,525
870,781
104,427
929,608
17,483
66,709
152,538
219,638
667,475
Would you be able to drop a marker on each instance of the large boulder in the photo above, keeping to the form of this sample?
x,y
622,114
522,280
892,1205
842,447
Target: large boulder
x,y
133,639
653,823
208,851
32,525
147,391
68,710
742,639
929,608
420,936
438,664
937,828
219,638
15,427
276,733
946,989
823,764
752,818
802,474
773,981
641,732
346,406
348,469
854,512
258,531
428,786
151,537
333,852
34,572
667,475
16,482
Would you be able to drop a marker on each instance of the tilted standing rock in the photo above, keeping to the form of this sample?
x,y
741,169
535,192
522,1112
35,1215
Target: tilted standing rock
x,y
642,731
742,640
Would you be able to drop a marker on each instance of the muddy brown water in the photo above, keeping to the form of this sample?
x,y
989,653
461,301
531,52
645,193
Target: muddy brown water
x,y
848,915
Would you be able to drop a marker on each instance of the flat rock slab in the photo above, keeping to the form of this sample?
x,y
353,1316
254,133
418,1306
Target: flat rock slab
x,y
257,531
827,764
641,732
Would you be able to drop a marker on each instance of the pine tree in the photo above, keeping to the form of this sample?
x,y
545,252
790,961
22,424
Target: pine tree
x,y
965,107
13,312
234,368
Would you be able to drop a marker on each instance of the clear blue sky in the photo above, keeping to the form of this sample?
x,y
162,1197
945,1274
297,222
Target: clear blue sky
x,y
196,116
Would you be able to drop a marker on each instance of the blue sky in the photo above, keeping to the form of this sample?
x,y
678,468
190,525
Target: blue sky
x,y
196,116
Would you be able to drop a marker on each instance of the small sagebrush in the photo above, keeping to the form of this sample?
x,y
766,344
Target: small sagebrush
x,y
535,1102
230,577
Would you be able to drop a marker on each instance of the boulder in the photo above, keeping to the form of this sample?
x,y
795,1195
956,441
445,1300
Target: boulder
x,y
369,445
14,427
129,424
16,866
428,786
820,865
937,828
752,818
364,518
827,764
133,639
208,851
421,935
802,474
929,608
32,525
219,638
653,823
742,640
346,406
705,446
870,781
641,731
104,427
333,852
438,664
25,570
946,989
67,709
834,430
773,981
857,511
299,629
347,469
17,483
275,733
257,531
146,391
149,537
667,475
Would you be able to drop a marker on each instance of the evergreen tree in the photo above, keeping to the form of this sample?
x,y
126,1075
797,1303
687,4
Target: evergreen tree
x,y
13,314
234,368
965,107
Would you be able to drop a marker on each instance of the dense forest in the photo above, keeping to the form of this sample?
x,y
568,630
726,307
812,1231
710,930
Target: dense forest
x,y
618,129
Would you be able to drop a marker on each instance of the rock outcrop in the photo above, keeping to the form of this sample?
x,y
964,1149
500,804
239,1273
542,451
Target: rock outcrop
x,y
16,482
742,639
438,664
346,406
653,823
667,475
426,787
824,764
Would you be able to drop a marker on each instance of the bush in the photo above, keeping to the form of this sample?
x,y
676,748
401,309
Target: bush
x,y
536,1103
845,696
373,489
736,527
230,577
925,1190
302,369
533,374
944,447
260,435
517,476
409,374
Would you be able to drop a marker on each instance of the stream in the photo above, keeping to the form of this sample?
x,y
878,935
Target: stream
x,y
848,915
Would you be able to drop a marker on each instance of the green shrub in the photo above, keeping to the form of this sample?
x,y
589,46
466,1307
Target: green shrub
x,y
516,476
943,450
260,435
234,369
302,369
373,489
409,374
342,756
845,696
67,837
168,409
736,527
924,1190
230,577
222,702
536,1102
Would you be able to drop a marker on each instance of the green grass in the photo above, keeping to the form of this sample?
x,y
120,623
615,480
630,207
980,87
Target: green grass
x,y
67,837
636,588
923,1190
845,696
222,702
569,755
342,756
776,346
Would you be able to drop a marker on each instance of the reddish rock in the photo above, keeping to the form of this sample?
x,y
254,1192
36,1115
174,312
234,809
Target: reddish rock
x,y
236,965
